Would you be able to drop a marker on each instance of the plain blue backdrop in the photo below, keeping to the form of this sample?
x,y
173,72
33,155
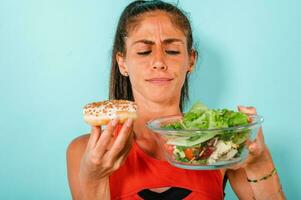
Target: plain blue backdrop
x,y
55,58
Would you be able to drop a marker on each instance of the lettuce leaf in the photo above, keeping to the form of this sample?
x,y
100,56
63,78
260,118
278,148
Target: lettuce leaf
x,y
198,108
201,117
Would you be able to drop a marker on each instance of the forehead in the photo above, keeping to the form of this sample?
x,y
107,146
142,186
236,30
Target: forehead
x,y
152,25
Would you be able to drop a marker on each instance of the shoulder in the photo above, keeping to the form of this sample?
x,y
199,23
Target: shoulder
x,y
75,152
78,145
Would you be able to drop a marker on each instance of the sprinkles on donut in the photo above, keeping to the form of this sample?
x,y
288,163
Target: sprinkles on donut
x,y
101,113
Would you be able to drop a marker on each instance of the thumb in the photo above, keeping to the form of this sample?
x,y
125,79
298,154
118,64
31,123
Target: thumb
x,y
249,110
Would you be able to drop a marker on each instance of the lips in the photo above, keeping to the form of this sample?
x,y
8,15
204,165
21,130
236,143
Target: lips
x,y
159,80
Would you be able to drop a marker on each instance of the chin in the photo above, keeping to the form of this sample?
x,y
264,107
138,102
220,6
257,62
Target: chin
x,y
157,95
162,98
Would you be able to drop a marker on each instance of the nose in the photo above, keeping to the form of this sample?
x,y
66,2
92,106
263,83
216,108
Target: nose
x,y
158,62
160,66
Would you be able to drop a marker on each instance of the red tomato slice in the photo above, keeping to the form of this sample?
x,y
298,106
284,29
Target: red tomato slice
x,y
207,152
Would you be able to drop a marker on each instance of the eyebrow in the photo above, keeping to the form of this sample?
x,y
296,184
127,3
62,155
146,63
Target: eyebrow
x,y
166,41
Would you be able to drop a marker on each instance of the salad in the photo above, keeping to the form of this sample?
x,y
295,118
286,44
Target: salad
x,y
209,143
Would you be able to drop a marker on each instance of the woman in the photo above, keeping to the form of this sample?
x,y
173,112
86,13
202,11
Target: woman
x,y
151,61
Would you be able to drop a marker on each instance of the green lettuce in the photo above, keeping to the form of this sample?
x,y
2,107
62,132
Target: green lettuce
x,y
201,117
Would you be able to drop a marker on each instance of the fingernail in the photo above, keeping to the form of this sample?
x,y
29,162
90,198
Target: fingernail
x,y
241,107
114,122
129,122
251,148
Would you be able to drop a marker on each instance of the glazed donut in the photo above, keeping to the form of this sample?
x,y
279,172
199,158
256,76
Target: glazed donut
x,y
101,113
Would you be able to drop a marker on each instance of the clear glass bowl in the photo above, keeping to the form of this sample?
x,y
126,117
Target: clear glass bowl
x,y
204,149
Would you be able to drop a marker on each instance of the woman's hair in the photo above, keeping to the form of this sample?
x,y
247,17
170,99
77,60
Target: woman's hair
x,y
120,86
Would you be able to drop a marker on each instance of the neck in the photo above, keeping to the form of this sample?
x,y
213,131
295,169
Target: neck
x,y
148,110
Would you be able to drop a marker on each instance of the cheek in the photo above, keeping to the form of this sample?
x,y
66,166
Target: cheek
x,y
135,64
178,63
181,78
136,77
180,75
179,68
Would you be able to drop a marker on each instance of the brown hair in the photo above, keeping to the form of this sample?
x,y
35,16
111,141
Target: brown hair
x,y
120,86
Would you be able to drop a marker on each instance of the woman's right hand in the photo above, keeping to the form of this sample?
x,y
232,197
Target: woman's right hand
x,y
105,153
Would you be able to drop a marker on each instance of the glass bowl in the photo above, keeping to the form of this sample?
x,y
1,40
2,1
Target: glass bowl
x,y
204,149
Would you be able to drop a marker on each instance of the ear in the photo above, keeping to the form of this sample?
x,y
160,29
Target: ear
x,y
121,63
192,60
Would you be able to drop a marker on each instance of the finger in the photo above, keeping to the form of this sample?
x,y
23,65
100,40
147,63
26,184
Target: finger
x,y
121,159
249,110
115,133
128,146
253,148
121,139
117,130
237,166
105,138
94,136
234,167
257,147
260,135
111,142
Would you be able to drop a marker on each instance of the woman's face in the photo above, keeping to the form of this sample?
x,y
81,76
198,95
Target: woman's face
x,y
156,58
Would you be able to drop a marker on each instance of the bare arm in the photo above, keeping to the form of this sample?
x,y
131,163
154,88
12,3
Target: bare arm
x,y
79,189
240,186
268,189
259,164
75,153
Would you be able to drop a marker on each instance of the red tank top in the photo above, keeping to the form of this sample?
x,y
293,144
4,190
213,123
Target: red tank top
x,y
141,171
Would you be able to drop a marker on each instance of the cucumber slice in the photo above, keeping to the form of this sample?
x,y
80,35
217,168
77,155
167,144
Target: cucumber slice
x,y
193,140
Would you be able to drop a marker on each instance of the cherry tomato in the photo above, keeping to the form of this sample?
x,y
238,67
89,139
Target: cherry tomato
x,y
188,153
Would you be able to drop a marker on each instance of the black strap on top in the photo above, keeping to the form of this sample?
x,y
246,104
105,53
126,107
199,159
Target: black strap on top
x,y
225,183
173,193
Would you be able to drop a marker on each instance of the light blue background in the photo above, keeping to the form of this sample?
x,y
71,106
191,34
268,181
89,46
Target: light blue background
x,y
55,58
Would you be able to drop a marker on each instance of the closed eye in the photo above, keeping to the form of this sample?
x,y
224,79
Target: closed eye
x,y
143,53
172,52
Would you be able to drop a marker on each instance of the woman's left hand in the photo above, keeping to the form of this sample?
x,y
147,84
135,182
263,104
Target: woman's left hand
x,y
258,151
